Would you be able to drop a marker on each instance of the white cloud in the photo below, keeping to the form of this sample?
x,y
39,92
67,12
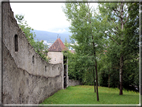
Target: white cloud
x,y
45,42
60,31
42,16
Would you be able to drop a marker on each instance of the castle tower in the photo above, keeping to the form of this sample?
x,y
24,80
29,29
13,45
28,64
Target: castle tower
x,y
55,52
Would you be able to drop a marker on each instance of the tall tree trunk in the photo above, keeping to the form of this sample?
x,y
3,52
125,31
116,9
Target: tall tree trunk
x,y
96,71
94,56
96,81
140,48
121,71
121,57
109,79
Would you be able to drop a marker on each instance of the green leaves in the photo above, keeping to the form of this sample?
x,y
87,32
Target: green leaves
x,y
121,38
112,32
19,18
86,30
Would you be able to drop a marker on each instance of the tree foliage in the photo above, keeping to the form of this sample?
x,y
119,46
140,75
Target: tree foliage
x,y
121,28
86,30
115,35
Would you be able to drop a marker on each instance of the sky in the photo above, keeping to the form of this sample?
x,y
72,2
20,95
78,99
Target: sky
x,y
44,16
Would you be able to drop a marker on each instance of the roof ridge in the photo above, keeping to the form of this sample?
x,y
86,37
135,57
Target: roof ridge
x,y
57,46
59,40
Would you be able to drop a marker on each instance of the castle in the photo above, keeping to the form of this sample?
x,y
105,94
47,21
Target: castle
x,y
26,77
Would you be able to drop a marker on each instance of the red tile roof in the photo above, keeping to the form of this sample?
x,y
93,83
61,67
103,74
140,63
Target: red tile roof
x,y
57,46
72,51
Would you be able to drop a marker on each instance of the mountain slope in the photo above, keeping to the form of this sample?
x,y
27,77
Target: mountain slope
x,y
50,37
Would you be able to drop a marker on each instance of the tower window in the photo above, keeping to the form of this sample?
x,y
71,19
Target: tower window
x,y
33,59
16,42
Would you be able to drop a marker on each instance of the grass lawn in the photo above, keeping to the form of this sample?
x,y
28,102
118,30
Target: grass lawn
x,y
85,95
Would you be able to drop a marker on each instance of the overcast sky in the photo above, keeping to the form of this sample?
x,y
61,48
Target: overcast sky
x,y
43,16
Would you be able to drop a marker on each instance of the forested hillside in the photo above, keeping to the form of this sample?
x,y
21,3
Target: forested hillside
x,y
50,37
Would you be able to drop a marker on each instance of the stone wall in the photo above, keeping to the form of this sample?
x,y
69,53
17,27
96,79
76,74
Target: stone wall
x,y
73,82
22,87
27,78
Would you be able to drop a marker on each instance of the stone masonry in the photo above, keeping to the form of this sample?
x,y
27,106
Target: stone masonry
x,y
27,78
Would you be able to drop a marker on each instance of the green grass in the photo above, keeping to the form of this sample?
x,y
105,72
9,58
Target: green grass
x,y
85,95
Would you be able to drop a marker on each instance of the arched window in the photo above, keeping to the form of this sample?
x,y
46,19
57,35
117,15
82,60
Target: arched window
x,y
16,42
33,59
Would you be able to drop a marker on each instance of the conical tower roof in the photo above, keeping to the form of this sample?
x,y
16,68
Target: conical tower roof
x,y
57,46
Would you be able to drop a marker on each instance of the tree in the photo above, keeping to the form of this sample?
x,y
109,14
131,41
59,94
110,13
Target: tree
x,y
25,28
66,43
85,29
121,20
